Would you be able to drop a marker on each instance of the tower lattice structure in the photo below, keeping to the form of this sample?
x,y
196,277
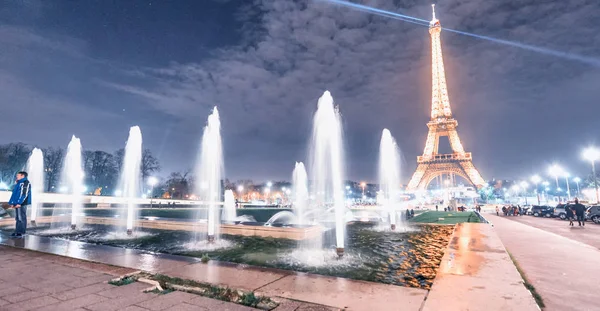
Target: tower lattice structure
x,y
433,164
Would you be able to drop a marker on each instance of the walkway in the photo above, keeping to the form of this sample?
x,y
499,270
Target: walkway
x,y
589,235
476,274
37,281
563,270
299,291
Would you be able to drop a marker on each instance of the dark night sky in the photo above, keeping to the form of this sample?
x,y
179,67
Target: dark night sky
x,y
93,68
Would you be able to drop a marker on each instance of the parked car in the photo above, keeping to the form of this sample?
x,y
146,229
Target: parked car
x,y
593,214
542,210
560,210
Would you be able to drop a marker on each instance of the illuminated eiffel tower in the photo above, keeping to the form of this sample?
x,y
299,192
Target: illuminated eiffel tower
x,y
432,164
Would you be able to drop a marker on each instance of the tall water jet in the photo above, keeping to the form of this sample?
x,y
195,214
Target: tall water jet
x,y
209,171
300,186
229,213
131,174
73,178
389,175
327,163
35,168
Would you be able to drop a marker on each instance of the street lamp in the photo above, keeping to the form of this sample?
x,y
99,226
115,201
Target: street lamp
x,y
524,185
152,181
592,154
556,171
567,181
536,180
577,180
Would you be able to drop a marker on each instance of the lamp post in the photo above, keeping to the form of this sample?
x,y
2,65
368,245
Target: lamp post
x,y
592,154
567,181
556,171
577,180
524,186
152,181
536,181
240,190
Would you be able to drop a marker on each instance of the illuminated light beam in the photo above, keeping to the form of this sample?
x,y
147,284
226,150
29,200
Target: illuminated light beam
x,y
380,12
418,21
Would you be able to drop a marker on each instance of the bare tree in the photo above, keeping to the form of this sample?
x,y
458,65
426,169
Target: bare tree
x,y
150,164
100,170
13,158
178,184
53,162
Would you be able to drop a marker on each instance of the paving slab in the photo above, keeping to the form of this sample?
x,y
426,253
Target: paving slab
x,y
166,301
31,304
236,276
476,273
345,294
560,268
75,303
213,304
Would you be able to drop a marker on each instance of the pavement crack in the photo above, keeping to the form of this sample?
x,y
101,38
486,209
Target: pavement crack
x,y
284,276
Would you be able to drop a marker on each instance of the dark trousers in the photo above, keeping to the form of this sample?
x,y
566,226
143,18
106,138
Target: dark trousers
x,y
21,218
580,219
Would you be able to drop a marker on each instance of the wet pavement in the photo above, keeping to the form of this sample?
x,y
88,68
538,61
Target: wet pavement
x,y
474,267
590,234
37,281
557,261
306,291
477,274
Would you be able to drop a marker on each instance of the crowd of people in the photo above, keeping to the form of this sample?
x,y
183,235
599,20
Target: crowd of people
x,y
511,210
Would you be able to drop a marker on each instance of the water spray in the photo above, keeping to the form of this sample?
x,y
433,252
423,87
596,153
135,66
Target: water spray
x,y
422,22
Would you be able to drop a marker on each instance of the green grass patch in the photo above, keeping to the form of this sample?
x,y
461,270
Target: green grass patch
x,y
450,218
124,281
205,258
529,286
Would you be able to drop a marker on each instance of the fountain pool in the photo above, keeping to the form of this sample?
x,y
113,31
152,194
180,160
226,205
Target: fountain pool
x,y
399,258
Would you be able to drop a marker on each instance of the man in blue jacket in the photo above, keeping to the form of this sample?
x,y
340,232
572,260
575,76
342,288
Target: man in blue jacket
x,y
19,200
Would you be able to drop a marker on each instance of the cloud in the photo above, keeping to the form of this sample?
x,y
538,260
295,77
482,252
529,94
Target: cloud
x,y
378,70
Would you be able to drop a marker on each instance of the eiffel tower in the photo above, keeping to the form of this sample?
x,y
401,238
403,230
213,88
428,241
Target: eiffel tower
x,y
432,164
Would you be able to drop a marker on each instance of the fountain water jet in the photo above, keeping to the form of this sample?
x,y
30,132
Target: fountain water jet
x,y
327,163
131,174
209,171
35,168
389,175
229,211
300,184
73,178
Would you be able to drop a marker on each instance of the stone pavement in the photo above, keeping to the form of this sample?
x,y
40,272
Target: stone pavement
x,y
476,273
589,235
563,270
36,281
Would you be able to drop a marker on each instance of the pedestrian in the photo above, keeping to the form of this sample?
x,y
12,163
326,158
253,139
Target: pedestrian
x,y
569,210
520,211
436,208
579,212
19,200
497,211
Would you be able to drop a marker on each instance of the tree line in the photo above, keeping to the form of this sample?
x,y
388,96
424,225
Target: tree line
x,y
102,169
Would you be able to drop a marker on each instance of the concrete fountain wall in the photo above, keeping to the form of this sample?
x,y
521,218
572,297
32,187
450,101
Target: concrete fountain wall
x,y
243,230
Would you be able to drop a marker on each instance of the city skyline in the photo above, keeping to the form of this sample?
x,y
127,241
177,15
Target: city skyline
x,y
163,67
